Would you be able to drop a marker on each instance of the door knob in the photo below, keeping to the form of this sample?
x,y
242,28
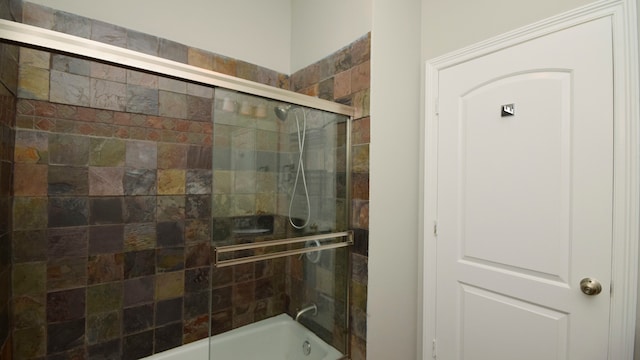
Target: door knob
x,y
590,286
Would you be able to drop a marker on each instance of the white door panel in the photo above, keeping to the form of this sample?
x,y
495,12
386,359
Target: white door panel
x,y
525,201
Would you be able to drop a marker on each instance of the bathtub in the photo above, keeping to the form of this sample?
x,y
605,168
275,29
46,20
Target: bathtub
x,y
276,338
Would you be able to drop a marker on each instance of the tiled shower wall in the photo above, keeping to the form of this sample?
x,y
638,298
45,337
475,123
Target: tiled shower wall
x,y
79,134
344,77
9,10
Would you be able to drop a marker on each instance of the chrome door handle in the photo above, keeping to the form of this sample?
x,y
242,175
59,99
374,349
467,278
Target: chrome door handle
x,y
590,286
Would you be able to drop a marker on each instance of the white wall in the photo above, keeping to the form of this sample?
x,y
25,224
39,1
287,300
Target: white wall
x,y
255,31
452,24
392,330
320,27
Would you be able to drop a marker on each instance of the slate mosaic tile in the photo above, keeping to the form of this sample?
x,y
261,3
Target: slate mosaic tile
x,y
68,180
69,89
196,304
199,182
139,263
65,335
172,104
139,209
171,182
140,236
103,327
169,285
29,311
168,311
136,319
142,42
199,157
197,231
67,211
68,150
31,147
104,298
108,34
142,100
105,268
106,210
195,329
37,15
173,51
142,79
108,72
66,273
198,90
326,89
67,242
141,155
29,343
198,207
170,234
106,94
168,337
169,259
33,83
221,321
72,24
106,152
221,298
109,350
196,280
137,346
28,246
172,85
200,58
170,208
66,305
30,180
140,182
199,108
29,278
106,239
172,156
70,64
138,291
106,181
197,255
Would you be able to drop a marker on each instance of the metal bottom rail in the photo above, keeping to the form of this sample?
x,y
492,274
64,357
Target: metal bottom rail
x,y
265,244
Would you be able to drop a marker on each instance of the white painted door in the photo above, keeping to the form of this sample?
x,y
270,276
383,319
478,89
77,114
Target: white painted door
x,y
525,200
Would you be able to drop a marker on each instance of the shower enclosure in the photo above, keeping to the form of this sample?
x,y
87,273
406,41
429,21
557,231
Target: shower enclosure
x,y
156,204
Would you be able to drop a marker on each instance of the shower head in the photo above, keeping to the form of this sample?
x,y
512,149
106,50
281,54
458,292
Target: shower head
x,y
282,110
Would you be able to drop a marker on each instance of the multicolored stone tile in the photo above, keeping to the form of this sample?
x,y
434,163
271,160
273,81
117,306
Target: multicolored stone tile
x,y
30,180
171,182
68,211
168,311
140,182
29,246
106,181
30,342
137,346
139,236
29,311
169,285
105,268
68,180
106,239
69,89
66,305
141,155
30,213
66,273
67,242
69,150
33,83
29,278
104,298
103,327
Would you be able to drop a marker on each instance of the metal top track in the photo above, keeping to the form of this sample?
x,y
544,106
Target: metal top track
x,y
32,36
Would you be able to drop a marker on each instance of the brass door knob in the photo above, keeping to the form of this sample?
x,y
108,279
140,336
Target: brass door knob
x,y
590,286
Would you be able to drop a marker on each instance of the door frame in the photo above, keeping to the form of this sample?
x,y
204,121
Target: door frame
x,y
626,142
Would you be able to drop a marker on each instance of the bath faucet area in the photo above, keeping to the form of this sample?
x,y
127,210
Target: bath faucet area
x,y
306,309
